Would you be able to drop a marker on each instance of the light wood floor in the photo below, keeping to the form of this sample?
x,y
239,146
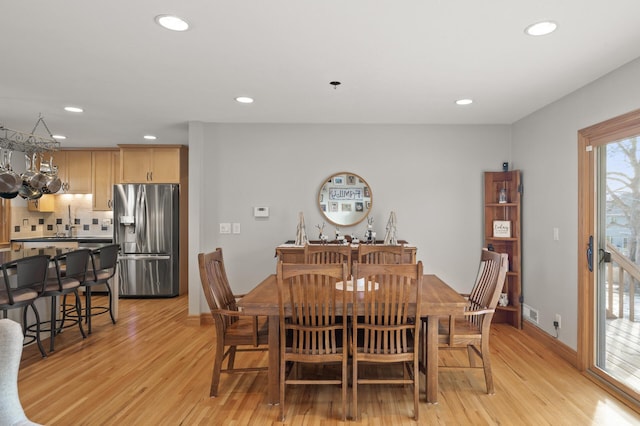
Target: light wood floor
x,y
152,368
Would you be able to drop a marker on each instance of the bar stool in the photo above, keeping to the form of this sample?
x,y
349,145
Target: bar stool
x,y
75,266
23,282
104,269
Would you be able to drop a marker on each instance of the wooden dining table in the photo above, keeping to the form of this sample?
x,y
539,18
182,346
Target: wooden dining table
x,y
438,300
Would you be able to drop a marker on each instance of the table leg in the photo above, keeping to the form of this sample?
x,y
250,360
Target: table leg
x,y
274,360
432,359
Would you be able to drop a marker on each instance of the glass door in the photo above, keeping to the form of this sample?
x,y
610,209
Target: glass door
x,y
616,263
609,254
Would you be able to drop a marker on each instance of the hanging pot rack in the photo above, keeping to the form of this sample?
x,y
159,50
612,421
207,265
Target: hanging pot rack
x,y
15,140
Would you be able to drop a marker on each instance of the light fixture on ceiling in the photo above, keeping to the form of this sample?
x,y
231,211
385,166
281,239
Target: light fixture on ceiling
x,y
464,101
59,137
335,84
150,137
73,109
541,28
172,23
244,99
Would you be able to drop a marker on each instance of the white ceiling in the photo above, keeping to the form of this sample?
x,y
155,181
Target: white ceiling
x,y
399,61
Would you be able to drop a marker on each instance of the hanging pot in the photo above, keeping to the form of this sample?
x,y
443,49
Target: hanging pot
x,y
28,192
38,179
53,183
9,180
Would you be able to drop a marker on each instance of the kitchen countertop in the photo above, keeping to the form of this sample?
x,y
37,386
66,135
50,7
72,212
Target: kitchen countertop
x,y
52,239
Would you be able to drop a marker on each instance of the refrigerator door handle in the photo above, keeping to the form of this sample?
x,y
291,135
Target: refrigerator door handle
x,y
144,257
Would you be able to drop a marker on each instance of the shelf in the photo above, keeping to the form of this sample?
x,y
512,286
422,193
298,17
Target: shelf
x,y
508,308
502,239
501,205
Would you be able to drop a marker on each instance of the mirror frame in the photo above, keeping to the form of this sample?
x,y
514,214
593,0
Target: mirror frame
x,y
362,195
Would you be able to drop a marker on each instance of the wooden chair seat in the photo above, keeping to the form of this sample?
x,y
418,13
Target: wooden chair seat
x,y
241,332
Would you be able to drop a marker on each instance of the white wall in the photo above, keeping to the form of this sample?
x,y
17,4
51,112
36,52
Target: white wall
x,y
430,175
544,147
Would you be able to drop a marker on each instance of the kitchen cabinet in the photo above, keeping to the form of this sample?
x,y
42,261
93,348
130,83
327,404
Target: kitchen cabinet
x,y
153,163
42,204
502,233
105,167
74,170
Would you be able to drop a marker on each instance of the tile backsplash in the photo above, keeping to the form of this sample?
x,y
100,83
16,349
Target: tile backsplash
x,y
26,224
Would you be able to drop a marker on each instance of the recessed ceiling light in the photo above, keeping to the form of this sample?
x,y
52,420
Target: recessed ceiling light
x,y
58,136
150,137
73,109
541,28
464,101
172,23
244,100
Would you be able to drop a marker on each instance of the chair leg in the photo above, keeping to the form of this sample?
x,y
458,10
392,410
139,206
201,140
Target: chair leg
x,y
416,388
345,382
232,357
217,366
79,312
354,384
38,340
87,307
471,351
113,319
282,385
53,325
486,362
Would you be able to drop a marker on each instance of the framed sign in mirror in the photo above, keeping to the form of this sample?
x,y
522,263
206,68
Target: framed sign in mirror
x,y
345,199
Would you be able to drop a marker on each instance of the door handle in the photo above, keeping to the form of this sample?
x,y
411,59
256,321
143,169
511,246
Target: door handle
x,y
590,253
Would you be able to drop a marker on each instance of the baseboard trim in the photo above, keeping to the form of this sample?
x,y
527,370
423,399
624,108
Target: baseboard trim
x,y
198,320
553,344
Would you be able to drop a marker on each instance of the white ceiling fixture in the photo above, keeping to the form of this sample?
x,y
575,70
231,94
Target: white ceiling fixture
x,y
244,99
150,137
541,28
172,22
59,137
73,109
464,101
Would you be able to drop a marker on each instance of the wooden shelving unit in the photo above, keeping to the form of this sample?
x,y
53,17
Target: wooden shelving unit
x,y
508,210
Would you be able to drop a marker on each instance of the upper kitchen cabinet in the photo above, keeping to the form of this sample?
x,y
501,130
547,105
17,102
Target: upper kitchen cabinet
x,y
105,165
74,170
153,163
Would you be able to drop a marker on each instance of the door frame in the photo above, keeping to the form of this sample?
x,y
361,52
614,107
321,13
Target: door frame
x,y
623,126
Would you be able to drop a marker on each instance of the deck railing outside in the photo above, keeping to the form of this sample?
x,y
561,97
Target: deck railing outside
x,y
622,278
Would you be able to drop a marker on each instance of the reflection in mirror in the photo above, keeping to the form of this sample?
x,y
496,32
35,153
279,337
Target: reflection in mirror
x,y
345,199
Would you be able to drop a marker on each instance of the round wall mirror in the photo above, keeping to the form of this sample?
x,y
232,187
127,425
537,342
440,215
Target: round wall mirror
x,y
345,199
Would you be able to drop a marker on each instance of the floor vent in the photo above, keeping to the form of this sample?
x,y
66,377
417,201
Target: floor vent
x,y
530,314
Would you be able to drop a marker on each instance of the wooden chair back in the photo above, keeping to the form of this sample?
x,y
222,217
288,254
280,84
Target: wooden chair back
x,y
324,253
217,290
378,253
489,283
313,321
385,327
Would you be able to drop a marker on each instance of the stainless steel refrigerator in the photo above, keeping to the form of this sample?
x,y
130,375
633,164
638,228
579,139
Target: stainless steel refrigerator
x,y
146,218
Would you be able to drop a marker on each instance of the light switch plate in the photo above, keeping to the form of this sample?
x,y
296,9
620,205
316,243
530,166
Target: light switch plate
x,y
225,228
236,228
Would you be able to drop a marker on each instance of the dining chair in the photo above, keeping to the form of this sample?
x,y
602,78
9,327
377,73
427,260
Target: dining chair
x,y
104,262
71,273
233,328
23,282
325,253
472,331
385,327
379,253
312,331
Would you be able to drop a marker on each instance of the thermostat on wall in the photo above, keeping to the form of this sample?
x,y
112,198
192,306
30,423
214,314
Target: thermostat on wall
x,y
261,211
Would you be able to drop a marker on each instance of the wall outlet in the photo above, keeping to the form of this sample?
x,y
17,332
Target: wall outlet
x,y
558,320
